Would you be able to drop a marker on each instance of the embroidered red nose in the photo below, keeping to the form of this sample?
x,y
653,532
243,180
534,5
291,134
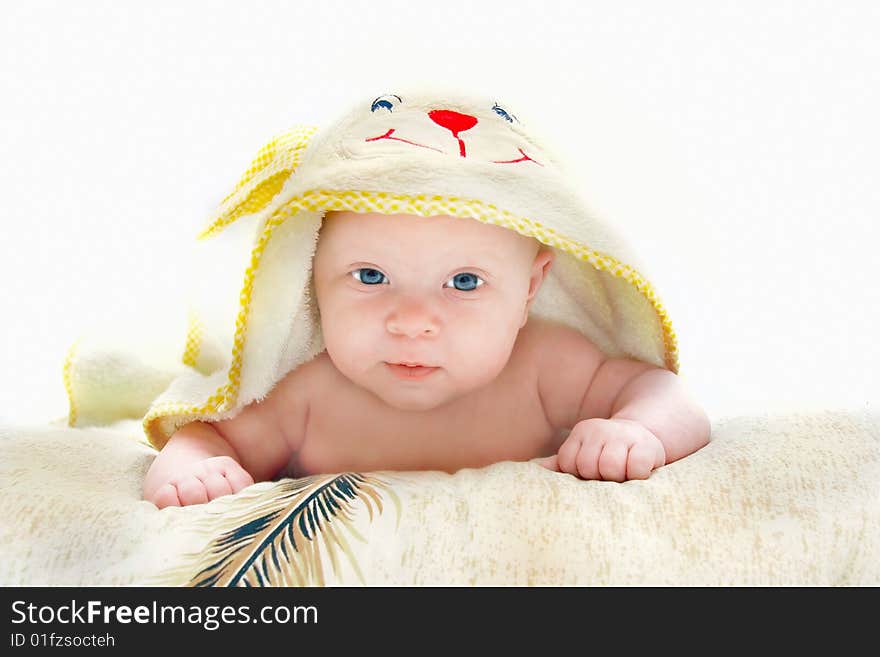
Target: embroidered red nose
x,y
453,121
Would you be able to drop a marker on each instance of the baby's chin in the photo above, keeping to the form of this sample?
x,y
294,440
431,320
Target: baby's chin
x,y
414,401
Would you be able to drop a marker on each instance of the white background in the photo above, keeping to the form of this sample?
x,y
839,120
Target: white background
x,y
735,143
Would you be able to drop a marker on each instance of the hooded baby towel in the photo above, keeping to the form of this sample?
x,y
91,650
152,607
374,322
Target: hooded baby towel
x,y
417,152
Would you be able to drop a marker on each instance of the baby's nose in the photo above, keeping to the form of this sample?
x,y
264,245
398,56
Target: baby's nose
x,y
413,320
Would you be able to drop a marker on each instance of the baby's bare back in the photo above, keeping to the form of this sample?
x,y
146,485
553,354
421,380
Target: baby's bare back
x,y
350,429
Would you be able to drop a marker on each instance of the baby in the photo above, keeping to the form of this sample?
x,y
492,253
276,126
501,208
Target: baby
x,y
432,362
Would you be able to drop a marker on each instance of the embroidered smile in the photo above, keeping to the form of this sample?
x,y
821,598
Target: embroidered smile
x,y
388,135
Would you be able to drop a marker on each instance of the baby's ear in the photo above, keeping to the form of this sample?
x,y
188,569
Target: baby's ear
x,y
540,267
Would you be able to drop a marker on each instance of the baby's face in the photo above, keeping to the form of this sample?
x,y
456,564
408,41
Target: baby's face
x,y
439,291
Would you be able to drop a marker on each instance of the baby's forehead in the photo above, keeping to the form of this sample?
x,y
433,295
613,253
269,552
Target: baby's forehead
x,y
362,228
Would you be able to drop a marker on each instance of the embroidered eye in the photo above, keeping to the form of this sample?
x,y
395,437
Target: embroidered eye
x,y
369,276
502,112
467,280
385,102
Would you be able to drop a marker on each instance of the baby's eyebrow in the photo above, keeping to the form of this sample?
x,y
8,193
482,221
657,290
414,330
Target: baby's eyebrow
x,y
482,253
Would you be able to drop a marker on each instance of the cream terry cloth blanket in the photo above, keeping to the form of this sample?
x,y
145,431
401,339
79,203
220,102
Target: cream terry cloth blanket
x,y
791,499
770,500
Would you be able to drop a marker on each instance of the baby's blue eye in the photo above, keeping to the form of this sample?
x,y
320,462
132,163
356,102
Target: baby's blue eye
x,y
468,282
369,276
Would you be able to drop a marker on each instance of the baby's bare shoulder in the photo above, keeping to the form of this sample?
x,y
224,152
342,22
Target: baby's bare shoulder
x,y
301,382
545,338
293,395
565,362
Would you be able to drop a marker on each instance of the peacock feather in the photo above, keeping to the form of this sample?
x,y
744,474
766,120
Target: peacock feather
x,y
282,536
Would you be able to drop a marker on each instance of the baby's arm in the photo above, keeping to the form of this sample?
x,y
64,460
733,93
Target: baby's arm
x,y
195,466
626,417
206,460
656,399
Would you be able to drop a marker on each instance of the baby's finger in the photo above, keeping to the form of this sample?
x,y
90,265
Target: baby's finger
x,y
166,496
588,459
640,461
191,491
238,478
549,462
612,461
566,457
216,485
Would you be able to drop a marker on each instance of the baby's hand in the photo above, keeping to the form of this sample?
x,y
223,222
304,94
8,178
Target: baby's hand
x,y
202,481
613,450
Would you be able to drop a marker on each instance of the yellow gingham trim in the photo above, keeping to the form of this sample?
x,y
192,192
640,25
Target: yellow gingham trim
x,y
194,335
263,179
67,373
392,203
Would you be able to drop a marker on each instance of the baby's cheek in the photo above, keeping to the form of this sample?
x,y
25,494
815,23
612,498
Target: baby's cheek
x,y
344,347
481,360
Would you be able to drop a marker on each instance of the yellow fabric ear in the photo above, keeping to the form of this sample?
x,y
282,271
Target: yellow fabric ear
x,y
273,164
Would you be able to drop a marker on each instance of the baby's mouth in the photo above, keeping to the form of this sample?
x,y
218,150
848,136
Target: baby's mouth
x,y
411,371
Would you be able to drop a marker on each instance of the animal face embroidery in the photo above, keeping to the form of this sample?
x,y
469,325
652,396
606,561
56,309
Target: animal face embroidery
x,y
483,133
